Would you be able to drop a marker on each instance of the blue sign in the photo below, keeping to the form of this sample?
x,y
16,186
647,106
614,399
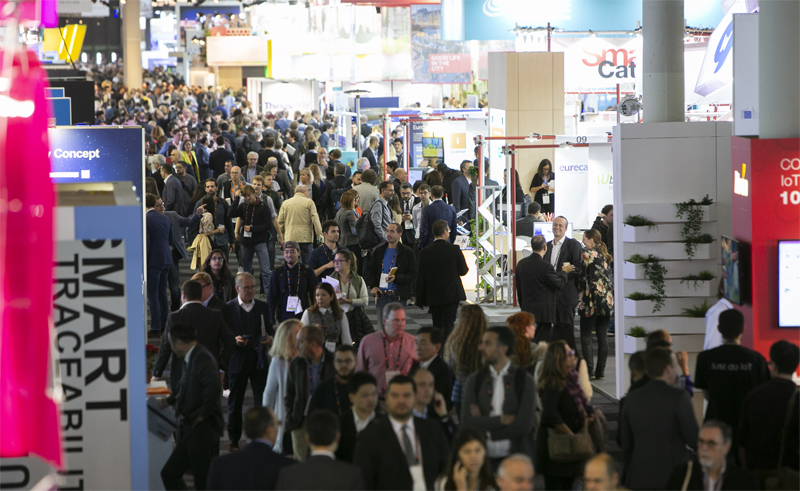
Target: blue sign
x,y
494,19
415,143
54,92
62,110
97,154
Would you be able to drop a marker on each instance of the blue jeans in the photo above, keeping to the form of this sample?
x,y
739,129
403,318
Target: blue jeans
x,y
259,250
157,296
386,297
305,251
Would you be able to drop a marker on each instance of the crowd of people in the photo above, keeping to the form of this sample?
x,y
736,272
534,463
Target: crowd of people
x,y
342,404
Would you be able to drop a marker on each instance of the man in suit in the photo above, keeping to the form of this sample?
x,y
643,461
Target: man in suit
x,y
462,199
268,152
362,390
525,225
536,283
388,287
332,393
210,331
657,425
441,267
256,466
402,448
159,260
196,401
281,177
710,468
498,398
153,171
173,193
371,154
217,158
430,404
407,203
208,299
300,384
562,250
179,250
429,344
322,471
251,324
436,210
252,169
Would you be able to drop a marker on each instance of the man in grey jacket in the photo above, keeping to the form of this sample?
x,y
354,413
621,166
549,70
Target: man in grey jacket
x,y
381,213
367,190
498,398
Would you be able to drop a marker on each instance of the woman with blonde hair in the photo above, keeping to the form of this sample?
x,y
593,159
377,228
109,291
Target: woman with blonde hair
x,y
461,349
283,351
307,179
595,300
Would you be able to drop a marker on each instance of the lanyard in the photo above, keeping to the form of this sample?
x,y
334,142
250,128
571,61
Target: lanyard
x,y
391,264
325,250
289,282
386,353
252,209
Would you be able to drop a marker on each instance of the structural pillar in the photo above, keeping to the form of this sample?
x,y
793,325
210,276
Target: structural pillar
x,y
452,16
662,79
131,44
779,64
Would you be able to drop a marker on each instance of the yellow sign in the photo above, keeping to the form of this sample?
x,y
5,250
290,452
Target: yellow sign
x,y
67,41
740,184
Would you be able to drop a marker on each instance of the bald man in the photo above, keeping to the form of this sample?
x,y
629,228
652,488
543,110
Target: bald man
x,y
600,473
515,473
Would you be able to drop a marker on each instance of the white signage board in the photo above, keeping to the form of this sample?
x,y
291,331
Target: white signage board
x,y
237,50
277,96
572,184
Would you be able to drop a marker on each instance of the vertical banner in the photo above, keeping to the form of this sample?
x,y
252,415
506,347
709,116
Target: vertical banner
x,y
572,185
434,60
415,142
497,127
90,316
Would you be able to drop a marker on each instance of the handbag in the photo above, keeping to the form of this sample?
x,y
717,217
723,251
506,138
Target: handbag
x,y
564,448
598,429
782,477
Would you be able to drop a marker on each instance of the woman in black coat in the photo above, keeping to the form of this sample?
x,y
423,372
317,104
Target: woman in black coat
x,y
540,186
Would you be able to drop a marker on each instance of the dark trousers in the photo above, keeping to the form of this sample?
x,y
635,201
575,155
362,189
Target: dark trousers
x,y
174,282
543,332
565,331
194,450
305,251
558,482
599,324
444,317
238,385
157,296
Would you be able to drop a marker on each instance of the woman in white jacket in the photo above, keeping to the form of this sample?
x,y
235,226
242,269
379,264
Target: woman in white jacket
x,y
283,350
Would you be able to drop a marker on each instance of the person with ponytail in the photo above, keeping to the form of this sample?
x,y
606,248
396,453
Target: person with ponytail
x,y
595,300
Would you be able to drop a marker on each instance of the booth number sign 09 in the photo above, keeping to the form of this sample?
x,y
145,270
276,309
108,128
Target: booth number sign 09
x,y
790,180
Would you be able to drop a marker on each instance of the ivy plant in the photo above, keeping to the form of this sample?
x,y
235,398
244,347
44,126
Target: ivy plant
x,y
640,221
694,218
653,271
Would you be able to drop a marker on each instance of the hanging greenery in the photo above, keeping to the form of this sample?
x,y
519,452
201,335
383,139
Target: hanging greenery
x,y
696,278
694,219
640,221
638,296
653,271
696,310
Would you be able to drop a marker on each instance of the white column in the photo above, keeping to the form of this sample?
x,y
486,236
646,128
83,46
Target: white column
x,y
662,75
779,65
453,20
132,44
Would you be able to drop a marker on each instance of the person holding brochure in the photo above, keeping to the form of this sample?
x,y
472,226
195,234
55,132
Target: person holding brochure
x,y
329,316
392,271
543,186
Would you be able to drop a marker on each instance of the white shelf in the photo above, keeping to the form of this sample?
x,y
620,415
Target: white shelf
x,y
671,307
664,232
665,212
632,344
674,288
671,251
675,269
673,325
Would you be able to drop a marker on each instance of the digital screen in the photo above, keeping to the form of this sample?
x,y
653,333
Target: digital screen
x,y
731,261
546,229
432,147
788,283
414,176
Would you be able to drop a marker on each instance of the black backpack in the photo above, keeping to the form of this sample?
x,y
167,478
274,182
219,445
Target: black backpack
x,y
365,230
336,194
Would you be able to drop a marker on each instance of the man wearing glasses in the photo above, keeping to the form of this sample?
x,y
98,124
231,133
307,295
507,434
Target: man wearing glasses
x,y
208,298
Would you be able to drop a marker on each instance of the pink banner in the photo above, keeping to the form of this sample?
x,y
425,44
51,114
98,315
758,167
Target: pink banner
x,y
449,63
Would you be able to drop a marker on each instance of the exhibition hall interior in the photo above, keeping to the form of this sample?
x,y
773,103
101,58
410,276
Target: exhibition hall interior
x,y
321,244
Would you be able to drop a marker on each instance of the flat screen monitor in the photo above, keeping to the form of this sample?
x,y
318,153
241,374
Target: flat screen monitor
x,y
415,175
788,283
732,270
432,148
546,229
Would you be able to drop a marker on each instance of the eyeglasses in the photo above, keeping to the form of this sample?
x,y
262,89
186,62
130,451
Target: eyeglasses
x,y
708,443
571,352
340,261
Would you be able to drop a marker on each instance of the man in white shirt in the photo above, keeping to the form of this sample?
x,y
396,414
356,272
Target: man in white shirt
x,y
424,193
713,336
562,250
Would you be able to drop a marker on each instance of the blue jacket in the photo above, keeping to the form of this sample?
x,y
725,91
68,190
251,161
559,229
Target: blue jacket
x,y
232,314
173,196
203,155
159,239
179,222
437,210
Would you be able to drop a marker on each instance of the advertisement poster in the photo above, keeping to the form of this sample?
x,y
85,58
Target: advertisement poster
x,y
572,185
396,42
436,61
98,154
415,150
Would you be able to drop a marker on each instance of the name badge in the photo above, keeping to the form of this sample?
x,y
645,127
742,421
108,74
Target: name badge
x,y
390,374
409,225
546,198
248,234
330,346
292,304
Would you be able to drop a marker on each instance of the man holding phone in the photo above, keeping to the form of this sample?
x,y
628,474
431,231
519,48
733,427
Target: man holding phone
x,y
392,271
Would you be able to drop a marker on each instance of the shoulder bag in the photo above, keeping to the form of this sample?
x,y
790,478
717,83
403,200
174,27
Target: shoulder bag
x,y
564,448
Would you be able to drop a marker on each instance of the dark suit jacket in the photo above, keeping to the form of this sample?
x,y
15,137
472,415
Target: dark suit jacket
x,y
567,297
447,184
173,196
258,170
657,425
437,210
441,266
734,479
297,387
461,197
373,162
383,463
347,441
442,377
159,239
232,314
536,283
255,466
217,159
216,304
525,225
212,333
197,395
264,155
285,184
406,269
323,473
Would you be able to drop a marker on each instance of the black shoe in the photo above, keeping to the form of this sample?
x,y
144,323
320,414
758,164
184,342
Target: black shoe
x,y
153,334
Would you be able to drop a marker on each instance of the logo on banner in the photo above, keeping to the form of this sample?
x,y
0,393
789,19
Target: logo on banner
x,y
620,63
573,168
724,47
740,185
494,8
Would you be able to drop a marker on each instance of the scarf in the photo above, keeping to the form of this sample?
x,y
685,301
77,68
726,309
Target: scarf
x,y
573,388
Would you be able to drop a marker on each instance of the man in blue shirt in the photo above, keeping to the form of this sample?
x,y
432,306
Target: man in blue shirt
x,y
387,286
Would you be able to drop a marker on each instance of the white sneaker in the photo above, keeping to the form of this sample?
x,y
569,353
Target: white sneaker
x,y
226,393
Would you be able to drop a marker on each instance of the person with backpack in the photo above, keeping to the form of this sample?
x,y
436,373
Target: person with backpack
x,y
334,189
499,398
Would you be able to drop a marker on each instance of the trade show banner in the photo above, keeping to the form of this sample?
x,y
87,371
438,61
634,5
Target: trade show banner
x,y
434,60
97,154
717,69
415,142
599,63
601,179
572,185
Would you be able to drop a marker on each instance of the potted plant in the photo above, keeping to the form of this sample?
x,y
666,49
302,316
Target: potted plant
x,y
696,310
691,229
635,340
695,279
